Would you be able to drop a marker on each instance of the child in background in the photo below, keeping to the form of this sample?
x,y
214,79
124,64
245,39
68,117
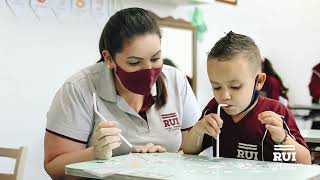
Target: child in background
x,y
273,87
314,89
314,85
169,62
250,125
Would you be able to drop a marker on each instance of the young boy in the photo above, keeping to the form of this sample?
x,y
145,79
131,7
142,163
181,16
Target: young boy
x,y
250,126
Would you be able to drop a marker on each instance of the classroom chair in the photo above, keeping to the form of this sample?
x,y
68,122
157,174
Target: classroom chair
x,y
20,156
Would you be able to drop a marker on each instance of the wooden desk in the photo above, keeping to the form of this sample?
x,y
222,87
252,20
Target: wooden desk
x,y
185,167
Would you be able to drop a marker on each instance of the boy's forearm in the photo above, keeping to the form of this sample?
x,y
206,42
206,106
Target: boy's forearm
x,y
55,168
302,153
192,142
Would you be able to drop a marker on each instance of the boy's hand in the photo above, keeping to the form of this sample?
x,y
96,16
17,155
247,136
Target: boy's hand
x,y
210,124
150,148
274,125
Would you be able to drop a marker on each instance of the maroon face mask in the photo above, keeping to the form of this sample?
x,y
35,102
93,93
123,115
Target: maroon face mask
x,y
139,82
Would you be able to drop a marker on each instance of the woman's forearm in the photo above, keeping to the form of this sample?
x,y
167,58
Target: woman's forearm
x,y
55,167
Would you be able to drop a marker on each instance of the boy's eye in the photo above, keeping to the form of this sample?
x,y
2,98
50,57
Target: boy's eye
x,y
235,87
216,88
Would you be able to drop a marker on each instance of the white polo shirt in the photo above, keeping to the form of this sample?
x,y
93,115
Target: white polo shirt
x,y
71,113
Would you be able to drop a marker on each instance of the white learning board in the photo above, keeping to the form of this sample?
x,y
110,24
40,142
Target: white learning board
x,y
180,166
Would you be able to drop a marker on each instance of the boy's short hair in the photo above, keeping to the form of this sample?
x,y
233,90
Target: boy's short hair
x,y
234,44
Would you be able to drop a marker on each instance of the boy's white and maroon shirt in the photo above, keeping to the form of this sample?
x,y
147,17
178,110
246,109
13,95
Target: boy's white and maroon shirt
x,y
71,113
244,139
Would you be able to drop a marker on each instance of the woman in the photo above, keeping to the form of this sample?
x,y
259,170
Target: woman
x,y
141,99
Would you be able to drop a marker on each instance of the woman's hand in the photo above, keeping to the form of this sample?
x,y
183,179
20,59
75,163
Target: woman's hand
x,y
150,148
106,138
274,124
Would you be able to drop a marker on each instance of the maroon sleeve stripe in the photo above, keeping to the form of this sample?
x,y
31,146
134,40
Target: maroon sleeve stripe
x,y
66,137
187,129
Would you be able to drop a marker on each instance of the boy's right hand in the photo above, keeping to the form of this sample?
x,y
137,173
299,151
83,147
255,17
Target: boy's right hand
x,y
210,124
106,138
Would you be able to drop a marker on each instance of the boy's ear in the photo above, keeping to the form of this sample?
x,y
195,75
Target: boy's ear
x,y
108,59
260,81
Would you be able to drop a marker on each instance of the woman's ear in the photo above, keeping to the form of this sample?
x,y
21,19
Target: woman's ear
x,y
260,81
108,59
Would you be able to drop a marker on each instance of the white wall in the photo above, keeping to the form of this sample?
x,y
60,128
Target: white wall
x,y
37,56
35,59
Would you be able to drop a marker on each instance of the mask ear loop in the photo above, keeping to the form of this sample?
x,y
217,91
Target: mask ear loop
x,y
287,127
264,136
108,66
115,69
265,133
255,95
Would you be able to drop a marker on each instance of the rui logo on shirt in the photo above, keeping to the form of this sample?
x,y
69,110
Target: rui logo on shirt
x,y
170,121
247,151
284,153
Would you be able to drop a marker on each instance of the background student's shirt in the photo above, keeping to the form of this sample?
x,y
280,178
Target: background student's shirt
x,y
244,139
314,85
314,89
71,113
272,89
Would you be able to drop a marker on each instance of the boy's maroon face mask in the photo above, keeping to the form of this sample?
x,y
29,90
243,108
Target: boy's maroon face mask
x,y
138,82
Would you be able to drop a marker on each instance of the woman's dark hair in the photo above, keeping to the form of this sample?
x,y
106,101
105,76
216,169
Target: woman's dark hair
x,y
168,62
268,69
122,27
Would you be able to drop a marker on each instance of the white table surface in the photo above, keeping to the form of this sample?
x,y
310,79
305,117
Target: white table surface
x,y
191,167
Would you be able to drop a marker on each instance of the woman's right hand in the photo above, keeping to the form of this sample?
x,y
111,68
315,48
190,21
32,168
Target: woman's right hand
x,y
106,138
210,124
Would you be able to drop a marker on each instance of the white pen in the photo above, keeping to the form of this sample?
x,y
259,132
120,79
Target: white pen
x,y
100,115
218,136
